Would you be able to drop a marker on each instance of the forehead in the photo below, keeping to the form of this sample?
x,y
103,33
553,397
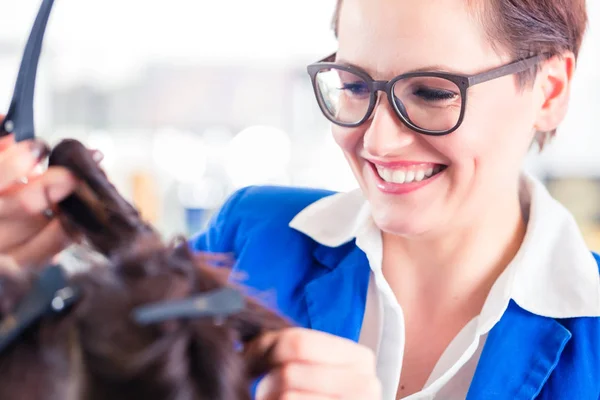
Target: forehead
x,y
389,37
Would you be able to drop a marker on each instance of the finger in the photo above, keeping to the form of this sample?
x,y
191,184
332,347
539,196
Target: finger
x,y
40,250
268,389
40,194
16,232
295,395
40,168
8,265
335,382
310,346
18,160
7,141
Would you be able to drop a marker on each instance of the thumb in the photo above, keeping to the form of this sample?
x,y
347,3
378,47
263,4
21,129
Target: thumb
x,y
259,354
266,388
8,265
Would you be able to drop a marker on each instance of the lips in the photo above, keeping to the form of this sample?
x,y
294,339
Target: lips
x,y
411,174
405,177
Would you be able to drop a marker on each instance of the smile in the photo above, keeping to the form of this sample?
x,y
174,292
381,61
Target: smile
x,y
403,178
409,174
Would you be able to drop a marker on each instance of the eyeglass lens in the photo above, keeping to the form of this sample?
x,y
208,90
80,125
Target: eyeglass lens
x,y
427,102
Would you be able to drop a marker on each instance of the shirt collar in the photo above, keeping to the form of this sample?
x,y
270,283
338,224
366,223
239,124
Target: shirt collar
x,y
334,220
554,274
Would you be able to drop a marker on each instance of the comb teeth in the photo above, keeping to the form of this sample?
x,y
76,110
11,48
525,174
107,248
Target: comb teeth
x,y
216,304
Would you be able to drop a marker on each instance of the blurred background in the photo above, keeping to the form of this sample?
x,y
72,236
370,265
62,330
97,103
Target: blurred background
x,y
190,100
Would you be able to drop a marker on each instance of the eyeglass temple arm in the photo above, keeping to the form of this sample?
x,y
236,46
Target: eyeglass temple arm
x,y
19,118
512,68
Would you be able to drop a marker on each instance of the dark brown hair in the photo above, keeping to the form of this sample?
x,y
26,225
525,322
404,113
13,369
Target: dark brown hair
x,y
97,351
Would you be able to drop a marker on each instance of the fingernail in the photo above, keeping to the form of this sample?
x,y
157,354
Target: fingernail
x,y
97,156
264,387
57,191
39,169
39,150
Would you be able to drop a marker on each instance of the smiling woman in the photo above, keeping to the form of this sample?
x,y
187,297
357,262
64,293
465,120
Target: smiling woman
x,y
456,269
450,273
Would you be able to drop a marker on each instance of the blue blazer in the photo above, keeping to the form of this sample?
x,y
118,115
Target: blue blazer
x,y
525,356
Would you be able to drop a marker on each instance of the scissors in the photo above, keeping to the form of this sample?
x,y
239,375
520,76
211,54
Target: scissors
x,y
19,118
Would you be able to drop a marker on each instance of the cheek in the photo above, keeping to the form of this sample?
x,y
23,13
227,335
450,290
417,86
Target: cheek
x,y
497,129
488,149
349,139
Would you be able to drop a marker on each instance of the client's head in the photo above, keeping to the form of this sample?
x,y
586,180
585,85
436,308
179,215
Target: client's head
x,y
99,350
153,321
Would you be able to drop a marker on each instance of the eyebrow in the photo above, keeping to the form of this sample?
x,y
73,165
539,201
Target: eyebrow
x,y
428,68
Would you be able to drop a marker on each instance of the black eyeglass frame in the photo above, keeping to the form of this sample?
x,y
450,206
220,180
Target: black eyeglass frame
x,y
464,82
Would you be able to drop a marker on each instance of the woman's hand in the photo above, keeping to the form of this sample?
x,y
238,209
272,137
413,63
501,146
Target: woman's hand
x,y
27,236
312,365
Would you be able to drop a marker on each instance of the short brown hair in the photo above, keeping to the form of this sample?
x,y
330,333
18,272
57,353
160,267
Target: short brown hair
x,y
525,28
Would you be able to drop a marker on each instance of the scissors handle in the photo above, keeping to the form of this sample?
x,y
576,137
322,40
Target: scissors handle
x,y
19,118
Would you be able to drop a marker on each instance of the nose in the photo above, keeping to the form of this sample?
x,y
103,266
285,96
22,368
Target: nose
x,y
386,134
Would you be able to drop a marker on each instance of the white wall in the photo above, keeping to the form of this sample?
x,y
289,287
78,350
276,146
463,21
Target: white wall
x,y
92,34
107,41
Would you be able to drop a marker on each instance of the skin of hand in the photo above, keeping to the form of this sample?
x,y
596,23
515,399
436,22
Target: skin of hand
x,y
27,236
313,365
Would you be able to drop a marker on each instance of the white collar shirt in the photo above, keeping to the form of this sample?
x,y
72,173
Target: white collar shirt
x,y
553,275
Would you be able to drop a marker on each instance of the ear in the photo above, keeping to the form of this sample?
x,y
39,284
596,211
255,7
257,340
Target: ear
x,y
554,84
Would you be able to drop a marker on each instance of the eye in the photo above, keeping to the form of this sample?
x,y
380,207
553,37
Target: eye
x,y
434,94
355,88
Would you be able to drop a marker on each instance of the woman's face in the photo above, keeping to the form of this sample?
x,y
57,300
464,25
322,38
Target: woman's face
x,y
479,163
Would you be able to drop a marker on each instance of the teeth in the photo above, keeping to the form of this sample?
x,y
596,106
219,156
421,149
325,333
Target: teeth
x,y
419,175
385,174
407,175
398,177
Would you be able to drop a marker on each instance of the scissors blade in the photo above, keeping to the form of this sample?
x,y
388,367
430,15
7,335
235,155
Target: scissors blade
x,y
19,118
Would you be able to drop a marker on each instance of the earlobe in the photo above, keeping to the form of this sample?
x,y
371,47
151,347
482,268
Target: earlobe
x,y
555,84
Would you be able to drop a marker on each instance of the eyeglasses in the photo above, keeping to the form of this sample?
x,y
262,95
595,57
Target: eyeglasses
x,y
431,103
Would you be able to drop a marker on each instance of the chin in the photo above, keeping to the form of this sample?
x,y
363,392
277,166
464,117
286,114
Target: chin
x,y
406,209
399,221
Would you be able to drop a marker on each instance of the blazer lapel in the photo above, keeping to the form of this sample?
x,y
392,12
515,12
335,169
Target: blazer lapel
x,y
336,300
519,355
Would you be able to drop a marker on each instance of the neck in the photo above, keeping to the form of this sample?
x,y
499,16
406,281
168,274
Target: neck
x,y
460,264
